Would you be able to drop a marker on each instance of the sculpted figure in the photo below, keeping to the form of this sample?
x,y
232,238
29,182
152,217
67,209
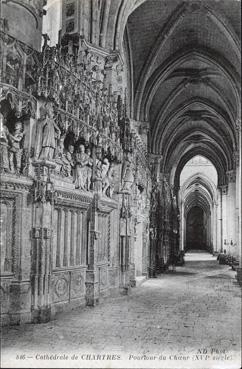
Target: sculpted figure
x,y
128,177
69,160
15,150
109,180
64,159
60,156
4,161
105,179
98,171
89,169
50,134
81,161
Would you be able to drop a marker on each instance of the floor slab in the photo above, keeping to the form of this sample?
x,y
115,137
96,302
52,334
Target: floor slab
x,y
189,318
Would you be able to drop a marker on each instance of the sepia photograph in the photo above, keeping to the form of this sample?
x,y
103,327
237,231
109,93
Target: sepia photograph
x,y
120,184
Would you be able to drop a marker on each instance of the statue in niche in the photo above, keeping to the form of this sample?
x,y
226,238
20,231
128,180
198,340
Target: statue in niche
x,y
15,149
60,158
4,160
98,170
69,160
140,200
105,168
109,181
50,134
81,162
128,177
89,169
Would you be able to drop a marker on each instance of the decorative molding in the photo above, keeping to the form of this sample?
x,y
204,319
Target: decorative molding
x,y
14,183
72,199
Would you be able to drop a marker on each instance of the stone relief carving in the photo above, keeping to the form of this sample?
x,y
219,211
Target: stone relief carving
x,y
61,287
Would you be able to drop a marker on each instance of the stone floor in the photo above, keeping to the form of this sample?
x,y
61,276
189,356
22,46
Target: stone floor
x,y
189,318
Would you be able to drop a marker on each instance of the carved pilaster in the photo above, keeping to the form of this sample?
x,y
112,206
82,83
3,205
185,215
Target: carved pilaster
x,y
92,280
41,243
40,274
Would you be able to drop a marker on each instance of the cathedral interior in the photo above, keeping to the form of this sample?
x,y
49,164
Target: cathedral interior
x,y
120,147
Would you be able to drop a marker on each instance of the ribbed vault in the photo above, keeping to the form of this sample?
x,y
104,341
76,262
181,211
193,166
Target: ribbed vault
x,y
185,79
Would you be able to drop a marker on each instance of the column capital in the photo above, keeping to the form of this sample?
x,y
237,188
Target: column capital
x,y
231,176
223,189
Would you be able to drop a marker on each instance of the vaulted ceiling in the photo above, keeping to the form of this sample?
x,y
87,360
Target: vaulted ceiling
x,y
198,190
185,72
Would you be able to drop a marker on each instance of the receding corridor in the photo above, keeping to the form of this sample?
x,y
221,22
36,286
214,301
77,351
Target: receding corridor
x,y
121,178
195,307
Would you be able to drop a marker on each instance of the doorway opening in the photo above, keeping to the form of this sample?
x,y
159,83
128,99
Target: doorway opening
x,y
196,238
198,198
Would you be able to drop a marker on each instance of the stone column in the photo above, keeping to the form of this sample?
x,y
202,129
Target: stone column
x,y
125,240
41,267
231,210
182,227
219,222
215,227
239,197
224,192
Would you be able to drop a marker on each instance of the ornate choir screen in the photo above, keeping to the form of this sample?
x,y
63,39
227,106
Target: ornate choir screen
x,y
83,210
69,157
